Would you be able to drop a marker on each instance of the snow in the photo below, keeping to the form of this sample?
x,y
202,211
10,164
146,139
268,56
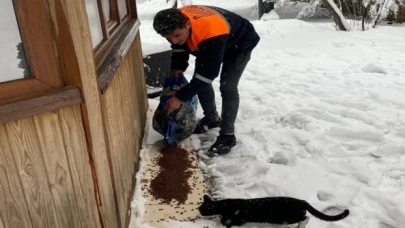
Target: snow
x,y
138,202
272,15
373,68
321,118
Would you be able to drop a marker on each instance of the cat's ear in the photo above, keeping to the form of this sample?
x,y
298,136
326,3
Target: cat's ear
x,y
207,198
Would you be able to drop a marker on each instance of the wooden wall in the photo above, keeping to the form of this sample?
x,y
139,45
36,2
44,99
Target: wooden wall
x,y
75,167
48,171
45,174
124,106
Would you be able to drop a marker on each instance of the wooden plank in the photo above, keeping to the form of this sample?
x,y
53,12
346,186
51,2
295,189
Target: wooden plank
x,y
116,136
59,139
51,101
132,8
123,124
12,90
80,166
114,12
23,140
1,223
116,28
138,79
102,20
141,83
107,69
52,145
36,32
13,209
74,41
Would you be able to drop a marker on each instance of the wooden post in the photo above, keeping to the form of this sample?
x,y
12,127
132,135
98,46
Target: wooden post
x,y
75,48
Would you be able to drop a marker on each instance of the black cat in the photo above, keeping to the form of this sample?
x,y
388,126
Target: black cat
x,y
273,210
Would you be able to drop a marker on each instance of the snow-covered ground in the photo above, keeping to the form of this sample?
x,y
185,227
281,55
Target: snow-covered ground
x,y
321,118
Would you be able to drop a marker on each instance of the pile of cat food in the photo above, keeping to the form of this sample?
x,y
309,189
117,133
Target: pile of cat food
x,y
171,183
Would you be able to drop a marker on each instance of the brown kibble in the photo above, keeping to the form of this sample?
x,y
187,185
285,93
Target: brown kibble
x,y
171,181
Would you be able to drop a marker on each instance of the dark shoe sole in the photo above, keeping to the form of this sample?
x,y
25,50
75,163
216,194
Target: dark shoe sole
x,y
204,131
205,128
213,154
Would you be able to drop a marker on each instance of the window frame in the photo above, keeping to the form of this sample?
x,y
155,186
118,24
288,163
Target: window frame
x,y
112,29
36,33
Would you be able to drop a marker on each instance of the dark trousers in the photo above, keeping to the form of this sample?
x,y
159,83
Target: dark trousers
x,y
232,69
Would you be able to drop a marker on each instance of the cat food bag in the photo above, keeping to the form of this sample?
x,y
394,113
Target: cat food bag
x,y
179,124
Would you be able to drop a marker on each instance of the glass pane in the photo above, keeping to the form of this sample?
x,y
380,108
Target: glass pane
x,y
107,10
13,62
122,8
94,22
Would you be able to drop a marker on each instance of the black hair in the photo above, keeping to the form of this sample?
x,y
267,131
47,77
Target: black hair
x,y
168,20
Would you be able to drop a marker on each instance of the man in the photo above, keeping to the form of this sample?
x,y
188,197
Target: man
x,y
215,36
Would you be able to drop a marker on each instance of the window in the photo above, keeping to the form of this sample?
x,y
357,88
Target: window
x,y
94,22
122,6
13,61
107,18
26,43
107,10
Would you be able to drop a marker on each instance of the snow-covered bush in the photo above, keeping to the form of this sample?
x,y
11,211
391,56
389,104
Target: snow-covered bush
x,y
372,11
364,13
396,12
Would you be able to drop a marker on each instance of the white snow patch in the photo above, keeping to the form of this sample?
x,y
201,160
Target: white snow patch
x,y
372,68
272,15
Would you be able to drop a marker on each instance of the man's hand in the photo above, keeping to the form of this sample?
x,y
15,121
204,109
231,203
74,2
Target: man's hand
x,y
172,104
175,73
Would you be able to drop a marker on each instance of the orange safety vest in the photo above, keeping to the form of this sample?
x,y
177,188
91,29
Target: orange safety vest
x,y
205,24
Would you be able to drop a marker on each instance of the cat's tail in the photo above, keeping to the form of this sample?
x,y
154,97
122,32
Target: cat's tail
x,y
329,218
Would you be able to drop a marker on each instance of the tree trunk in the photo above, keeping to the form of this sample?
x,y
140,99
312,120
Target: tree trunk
x,y
380,9
336,18
366,11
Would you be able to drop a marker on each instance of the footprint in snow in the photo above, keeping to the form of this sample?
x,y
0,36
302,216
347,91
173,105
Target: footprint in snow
x,y
339,44
384,225
280,159
324,196
372,68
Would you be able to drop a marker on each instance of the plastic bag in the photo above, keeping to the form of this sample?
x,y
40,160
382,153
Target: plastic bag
x,y
180,124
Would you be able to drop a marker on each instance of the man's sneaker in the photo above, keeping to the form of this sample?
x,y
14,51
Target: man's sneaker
x,y
223,145
204,124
